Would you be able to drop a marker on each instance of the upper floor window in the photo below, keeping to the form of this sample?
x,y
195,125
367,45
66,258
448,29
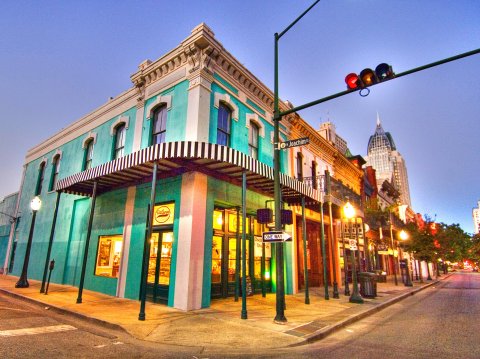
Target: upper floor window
x,y
41,175
223,127
55,170
253,141
119,149
299,166
159,125
87,163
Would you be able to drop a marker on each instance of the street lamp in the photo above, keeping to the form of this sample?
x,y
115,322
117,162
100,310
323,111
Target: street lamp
x,y
403,235
35,205
349,213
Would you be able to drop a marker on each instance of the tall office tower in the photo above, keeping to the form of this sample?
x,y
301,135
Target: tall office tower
x,y
476,219
389,164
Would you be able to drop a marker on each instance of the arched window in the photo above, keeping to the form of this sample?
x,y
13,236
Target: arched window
x,y
119,149
55,170
159,125
41,175
223,126
299,166
87,163
253,140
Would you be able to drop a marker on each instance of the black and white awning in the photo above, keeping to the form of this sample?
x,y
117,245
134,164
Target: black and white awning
x,y
176,158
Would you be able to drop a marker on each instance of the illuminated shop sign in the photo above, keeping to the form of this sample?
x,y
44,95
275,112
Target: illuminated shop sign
x,y
163,214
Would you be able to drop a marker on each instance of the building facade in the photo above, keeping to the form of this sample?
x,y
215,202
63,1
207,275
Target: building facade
x,y
8,223
162,183
476,219
383,156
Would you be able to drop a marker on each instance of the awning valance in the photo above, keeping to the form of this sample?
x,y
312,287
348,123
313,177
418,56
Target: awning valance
x,y
176,158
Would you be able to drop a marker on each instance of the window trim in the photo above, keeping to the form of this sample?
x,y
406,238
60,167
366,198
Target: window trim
x,y
256,146
229,122
155,112
55,170
115,138
40,177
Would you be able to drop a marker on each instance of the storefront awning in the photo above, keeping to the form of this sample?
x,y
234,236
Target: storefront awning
x,y
176,158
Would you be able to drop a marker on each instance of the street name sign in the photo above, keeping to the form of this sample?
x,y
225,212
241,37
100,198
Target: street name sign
x,y
293,143
276,236
353,244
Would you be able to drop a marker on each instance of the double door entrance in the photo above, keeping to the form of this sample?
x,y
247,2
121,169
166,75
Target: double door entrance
x,y
227,255
158,280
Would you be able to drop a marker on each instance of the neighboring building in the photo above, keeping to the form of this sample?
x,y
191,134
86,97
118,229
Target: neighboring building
x,y
192,139
476,218
327,131
8,223
388,163
311,164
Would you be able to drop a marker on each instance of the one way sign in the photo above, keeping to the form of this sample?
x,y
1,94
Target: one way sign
x,y
276,236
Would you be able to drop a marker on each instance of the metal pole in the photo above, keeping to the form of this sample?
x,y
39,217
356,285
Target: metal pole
x,y
87,242
355,297
304,236
237,257
50,242
324,255
393,251
244,245
333,245
280,290
146,252
23,281
345,261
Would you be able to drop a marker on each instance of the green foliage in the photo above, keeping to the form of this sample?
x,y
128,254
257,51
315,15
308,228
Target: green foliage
x,y
449,242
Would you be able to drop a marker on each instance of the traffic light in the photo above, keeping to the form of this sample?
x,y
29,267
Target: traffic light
x,y
368,77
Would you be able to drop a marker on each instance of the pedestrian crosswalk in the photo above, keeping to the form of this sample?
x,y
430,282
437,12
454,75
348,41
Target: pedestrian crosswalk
x,y
36,330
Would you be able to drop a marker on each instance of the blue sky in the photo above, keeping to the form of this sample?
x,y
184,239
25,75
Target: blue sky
x,y
62,59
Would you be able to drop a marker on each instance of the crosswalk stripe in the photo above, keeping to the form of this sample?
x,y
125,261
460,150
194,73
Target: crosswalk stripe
x,y
37,330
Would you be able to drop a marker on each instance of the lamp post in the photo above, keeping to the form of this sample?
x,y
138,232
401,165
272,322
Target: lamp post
x,y
393,250
349,213
403,235
35,205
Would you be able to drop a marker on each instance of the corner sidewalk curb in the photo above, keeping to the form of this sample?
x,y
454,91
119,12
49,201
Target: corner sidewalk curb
x,y
63,311
330,329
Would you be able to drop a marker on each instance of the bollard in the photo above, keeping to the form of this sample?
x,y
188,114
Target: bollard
x,y
52,265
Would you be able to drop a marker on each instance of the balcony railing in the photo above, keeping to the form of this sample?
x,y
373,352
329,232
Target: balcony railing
x,y
339,192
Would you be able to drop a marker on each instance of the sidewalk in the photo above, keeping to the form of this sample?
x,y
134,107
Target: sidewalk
x,y
218,327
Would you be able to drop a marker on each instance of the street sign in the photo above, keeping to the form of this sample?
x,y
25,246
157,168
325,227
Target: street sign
x,y
276,236
353,244
293,143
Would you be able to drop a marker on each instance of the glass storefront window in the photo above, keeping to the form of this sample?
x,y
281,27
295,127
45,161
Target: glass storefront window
x,y
232,223
109,256
218,220
216,259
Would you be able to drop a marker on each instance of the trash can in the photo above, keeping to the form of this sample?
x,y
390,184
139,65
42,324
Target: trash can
x,y
368,284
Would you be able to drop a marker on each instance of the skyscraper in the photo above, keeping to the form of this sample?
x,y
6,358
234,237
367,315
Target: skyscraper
x,y
476,219
389,164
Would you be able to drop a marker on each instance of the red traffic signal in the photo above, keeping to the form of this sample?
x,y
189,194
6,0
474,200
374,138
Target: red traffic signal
x,y
368,77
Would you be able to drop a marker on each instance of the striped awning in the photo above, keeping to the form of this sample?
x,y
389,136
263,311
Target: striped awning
x,y
176,158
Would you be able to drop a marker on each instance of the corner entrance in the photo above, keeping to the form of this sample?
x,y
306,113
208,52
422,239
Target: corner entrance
x,y
158,280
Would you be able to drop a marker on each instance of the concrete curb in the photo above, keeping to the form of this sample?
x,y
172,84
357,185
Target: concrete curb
x,y
63,311
330,329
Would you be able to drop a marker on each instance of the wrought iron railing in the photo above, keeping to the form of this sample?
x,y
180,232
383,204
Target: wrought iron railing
x,y
339,193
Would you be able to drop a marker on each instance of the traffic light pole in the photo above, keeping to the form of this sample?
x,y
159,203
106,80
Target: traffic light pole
x,y
277,117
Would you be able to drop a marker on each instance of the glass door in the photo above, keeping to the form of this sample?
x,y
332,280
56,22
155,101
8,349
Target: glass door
x,y
158,280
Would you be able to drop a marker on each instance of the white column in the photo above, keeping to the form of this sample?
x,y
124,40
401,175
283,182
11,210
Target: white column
x,y
127,235
137,134
198,108
191,242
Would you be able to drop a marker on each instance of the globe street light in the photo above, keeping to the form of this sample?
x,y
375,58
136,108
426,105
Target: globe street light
x,y
349,213
35,205
403,235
